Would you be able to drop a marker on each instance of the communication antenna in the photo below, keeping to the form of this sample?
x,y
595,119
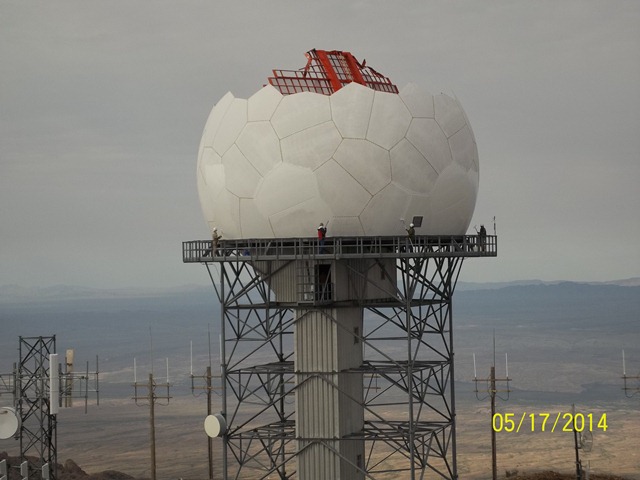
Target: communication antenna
x,y
9,422
585,439
9,418
38,386
209,389
629,391
150,398
78,383
8,383
492,392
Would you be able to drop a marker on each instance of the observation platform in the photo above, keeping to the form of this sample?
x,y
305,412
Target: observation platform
x,y
338,248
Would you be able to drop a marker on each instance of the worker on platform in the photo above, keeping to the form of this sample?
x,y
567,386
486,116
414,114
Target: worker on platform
x,y
411,232
215,241
483,237
322,233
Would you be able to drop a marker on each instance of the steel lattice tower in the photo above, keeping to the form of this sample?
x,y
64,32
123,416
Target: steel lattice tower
x,y
38,419
337,361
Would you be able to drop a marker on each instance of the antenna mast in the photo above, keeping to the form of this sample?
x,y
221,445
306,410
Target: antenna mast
x,y
74,383
629,391
208,388
492,392
150,399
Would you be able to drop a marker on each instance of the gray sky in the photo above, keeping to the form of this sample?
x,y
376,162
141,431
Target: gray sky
x,y
102,105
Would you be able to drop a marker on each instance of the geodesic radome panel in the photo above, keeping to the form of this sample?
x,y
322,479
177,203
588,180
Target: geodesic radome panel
x,y
277,166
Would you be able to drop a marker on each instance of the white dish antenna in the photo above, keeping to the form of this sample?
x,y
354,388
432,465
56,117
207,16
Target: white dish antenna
x,y
9,422
215,425
586,441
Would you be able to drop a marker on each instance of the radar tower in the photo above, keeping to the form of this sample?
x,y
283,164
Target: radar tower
x,y
337,351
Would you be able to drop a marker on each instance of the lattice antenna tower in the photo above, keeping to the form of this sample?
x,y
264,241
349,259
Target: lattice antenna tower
x,y
37,403
39,387
493,391
631,385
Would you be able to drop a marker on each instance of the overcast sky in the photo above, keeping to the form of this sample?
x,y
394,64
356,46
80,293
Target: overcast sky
x,y
102,105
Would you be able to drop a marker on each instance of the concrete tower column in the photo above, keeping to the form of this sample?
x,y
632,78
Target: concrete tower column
x,y
328,354
329,406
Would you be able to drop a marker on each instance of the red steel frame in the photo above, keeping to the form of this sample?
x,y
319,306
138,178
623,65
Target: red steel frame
x,y
326,72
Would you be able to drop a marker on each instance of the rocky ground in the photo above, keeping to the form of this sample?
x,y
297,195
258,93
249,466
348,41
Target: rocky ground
x,y
71,471
549,475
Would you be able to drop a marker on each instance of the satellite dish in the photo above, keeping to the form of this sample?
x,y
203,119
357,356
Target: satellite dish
x,y
586,440
215,425
9,422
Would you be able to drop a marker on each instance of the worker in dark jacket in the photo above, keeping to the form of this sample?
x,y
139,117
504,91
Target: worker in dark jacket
x,y
322,233
483,237
411,232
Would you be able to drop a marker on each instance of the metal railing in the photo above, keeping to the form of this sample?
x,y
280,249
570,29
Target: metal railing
x,y
197,251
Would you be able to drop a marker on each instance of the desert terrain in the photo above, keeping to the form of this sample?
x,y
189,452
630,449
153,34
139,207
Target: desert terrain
x,y
115,436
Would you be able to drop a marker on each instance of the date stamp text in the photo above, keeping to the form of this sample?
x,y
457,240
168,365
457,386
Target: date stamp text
x,y
549,422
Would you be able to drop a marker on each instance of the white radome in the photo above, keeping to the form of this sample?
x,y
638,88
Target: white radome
x,y
277,166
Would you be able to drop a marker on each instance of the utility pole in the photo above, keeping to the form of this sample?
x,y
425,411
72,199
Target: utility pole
x,y
492,392
629,391
582,440
152,425
150,399
209,439
577,444
208,387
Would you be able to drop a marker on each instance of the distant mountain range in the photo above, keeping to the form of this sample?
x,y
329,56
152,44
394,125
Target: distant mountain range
x,y
627,282
13,293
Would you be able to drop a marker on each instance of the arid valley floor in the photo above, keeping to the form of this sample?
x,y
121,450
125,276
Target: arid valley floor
x,y
115,436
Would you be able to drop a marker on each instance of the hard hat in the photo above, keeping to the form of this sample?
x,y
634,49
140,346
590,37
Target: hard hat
x,y
411,224
215,229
